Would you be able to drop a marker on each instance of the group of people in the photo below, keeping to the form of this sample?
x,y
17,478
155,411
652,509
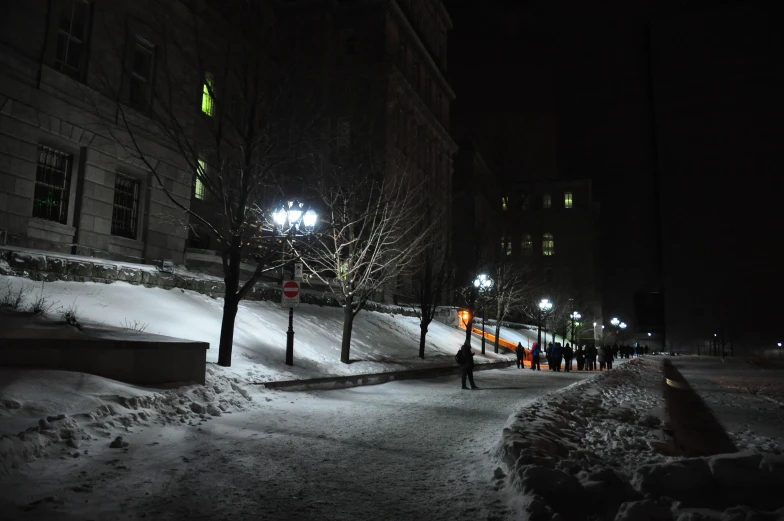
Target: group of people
x,y
586,356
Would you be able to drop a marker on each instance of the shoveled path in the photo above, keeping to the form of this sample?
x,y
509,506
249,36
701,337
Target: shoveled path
x,y
414,450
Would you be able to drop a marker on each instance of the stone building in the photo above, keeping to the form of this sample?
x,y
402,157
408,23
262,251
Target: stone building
x,y
71,72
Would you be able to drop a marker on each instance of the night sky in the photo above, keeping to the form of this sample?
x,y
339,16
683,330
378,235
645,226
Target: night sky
x,y
673,109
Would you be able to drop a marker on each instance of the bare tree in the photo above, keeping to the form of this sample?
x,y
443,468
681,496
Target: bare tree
x,y
371,234
225,104
512,290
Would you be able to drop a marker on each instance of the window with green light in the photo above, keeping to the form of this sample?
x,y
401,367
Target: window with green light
x,y
567,199
207,98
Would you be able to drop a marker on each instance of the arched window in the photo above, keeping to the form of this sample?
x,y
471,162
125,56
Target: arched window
x,y
527,244
548,244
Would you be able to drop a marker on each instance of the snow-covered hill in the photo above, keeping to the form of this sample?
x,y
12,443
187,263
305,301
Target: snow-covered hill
x,y
380,342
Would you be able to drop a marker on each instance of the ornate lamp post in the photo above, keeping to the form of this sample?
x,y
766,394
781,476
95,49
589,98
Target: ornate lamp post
x,y
544,306
574,316
289,220
483,283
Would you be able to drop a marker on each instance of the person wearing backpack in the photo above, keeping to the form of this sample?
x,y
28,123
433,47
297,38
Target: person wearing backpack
x,y
465,359
535,354
520,352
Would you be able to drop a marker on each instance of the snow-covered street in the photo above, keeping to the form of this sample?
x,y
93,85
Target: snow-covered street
x,y
403,450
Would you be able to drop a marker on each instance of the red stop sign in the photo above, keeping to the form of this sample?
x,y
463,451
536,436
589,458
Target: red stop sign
x,y
291,288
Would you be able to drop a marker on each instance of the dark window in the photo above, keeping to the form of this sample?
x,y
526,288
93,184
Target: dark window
x,y
344,133
142,59
349,42
72,38
126,206
527,244
52,180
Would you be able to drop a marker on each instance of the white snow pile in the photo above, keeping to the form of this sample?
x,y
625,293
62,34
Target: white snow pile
x,y
592,452
74,414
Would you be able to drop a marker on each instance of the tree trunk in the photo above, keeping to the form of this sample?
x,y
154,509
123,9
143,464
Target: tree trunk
x,y
422,334
498,318
230,305
348,324
497,335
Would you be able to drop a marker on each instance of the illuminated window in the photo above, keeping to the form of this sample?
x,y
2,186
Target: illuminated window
x,y
505,203
547,201
506,246
208,95
548,244
71,38
52,185
567,199
198,188
527,244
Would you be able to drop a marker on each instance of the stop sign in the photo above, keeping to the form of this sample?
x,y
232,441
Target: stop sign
x,y
291,288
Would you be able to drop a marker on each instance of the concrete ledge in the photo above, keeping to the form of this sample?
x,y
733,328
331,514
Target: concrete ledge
x,y
343,382
128,356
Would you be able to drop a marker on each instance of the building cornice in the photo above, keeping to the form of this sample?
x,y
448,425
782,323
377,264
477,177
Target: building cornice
x,y
435,70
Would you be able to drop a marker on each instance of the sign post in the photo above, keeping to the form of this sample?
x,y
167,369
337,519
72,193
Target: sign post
x,y
289,298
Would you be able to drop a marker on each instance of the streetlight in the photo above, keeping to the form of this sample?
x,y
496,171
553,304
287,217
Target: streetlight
x,y
544,306
483,283
575,316
288,220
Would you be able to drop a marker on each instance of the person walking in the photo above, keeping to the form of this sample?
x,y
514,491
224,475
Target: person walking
x,y
557,356
608,359
465,358
580,356
568,355
520,352
535,354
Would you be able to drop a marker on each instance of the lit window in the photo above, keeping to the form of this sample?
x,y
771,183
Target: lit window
x,y
141,73
547,202
505,203
208,95
71,37
125,212
52,181
548,244
527,244
198,189
567,199
506,246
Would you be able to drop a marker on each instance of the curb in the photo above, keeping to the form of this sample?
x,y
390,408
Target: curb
x,y
344,382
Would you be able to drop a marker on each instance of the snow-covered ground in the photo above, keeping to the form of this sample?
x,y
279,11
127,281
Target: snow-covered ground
x,y
409,450
380,342
600,443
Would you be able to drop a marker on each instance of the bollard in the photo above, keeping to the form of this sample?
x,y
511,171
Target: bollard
x,y
695,429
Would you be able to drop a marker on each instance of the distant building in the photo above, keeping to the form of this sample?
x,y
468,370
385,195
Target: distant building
x,y
552,225
65,183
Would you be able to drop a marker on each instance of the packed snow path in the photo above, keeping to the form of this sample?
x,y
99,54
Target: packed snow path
x,y
414,450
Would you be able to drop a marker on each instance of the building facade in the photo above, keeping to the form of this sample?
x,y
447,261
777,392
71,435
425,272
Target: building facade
x,y
552,227
69,182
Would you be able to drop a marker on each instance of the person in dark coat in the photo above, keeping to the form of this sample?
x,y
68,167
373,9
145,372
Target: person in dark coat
x,y
557,356
580,356
535,354
608,359
520,352
466,360
568,354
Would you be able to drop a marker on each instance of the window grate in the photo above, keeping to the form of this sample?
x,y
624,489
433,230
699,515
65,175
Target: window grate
x,y
52,181
126,206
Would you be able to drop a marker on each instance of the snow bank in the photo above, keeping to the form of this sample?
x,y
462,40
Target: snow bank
x,y
73,410
596,450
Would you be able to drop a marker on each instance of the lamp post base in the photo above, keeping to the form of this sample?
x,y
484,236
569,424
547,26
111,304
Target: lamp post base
x,y
290,339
